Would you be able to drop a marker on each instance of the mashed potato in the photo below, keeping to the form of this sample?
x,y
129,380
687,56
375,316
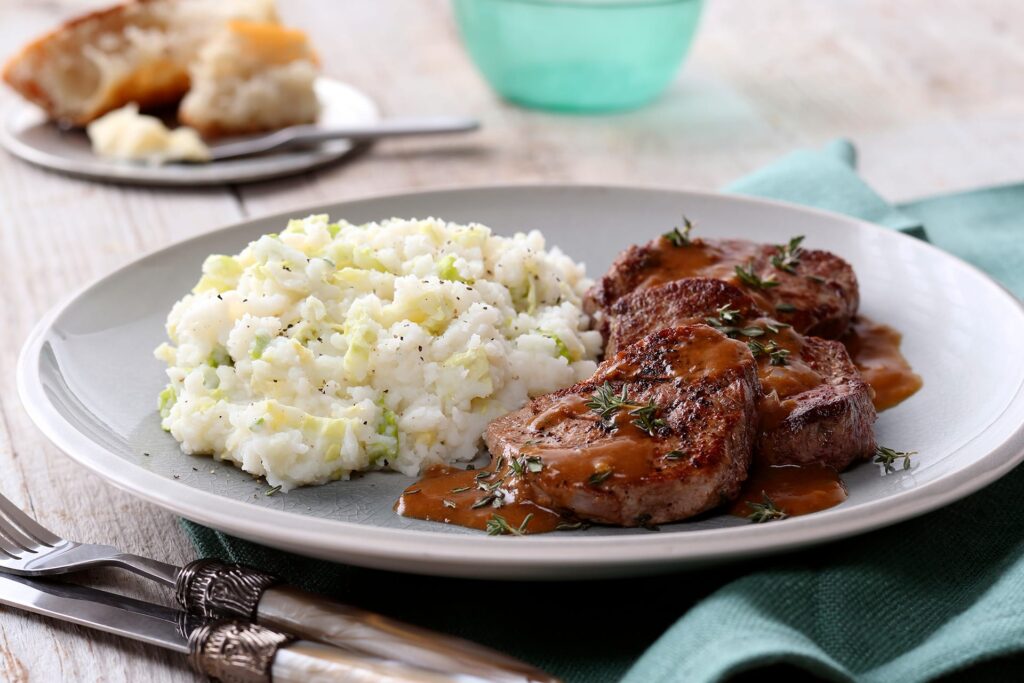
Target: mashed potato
x,y
332,348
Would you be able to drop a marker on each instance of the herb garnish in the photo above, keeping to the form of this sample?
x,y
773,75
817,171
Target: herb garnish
x,y
498,525
785,307
765,511
787,256
680,238
598,478
484,501
675,455
526,463
606,403
645,419
777,355
461,489
752,279
571,526
887,457
728,321
274,489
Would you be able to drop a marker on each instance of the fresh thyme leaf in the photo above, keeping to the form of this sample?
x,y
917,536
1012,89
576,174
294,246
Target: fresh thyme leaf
x,y
785,307
751,279
273,489
817,278
448,503
887,457
777,355
675,455
598,477
645,419
498,525
483,474
524,523
765,511
571,526
461,489
484,501
409,493
774,327
727,320
526,463
787,256
605,402
680,238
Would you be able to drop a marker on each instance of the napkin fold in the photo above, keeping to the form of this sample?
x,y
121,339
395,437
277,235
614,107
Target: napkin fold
x,y
941,596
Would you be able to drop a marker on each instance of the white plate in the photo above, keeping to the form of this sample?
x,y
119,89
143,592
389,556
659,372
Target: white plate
x,y
88,379
26,133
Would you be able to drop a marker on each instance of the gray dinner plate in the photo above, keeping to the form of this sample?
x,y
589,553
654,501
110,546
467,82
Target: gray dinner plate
x,y
88,378
27,134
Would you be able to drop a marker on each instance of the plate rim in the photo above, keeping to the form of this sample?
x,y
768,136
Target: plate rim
x,y
427,552
128,174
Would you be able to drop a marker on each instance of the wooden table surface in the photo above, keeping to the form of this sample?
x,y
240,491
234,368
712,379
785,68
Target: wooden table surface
x,y
930,90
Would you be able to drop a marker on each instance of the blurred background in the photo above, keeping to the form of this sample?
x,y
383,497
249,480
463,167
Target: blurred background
x,y
929,90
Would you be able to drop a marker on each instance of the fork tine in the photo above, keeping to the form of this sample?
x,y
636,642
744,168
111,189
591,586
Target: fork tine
x,y
26,524
9,548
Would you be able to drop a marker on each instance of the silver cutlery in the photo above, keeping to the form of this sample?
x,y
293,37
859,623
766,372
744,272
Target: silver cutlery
x,y
295,136
227,649
215,589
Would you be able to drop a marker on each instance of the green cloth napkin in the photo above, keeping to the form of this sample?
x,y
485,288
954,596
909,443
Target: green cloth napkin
x,y
942,595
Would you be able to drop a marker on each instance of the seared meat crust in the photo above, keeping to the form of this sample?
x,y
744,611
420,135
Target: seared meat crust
x,y
825,414
820,297
704,388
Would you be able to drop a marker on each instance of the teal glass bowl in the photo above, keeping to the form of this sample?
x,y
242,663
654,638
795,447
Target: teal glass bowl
x,y
578,55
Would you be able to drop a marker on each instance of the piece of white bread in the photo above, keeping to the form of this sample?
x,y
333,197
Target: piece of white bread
x,y
251,77
138,51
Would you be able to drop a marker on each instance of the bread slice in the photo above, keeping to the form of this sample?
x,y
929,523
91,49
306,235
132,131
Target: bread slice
x,y
251,77
138,51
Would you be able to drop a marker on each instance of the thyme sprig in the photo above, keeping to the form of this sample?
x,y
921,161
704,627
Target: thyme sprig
x,y
787,256
526,463
680,238
728,323
606,403
765,511
750,278
498,525
598,478
777,355
887,457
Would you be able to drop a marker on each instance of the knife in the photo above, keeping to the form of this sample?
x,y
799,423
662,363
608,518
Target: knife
x,y
230,650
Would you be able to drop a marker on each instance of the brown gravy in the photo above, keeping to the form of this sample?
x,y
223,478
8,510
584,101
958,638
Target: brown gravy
x,y
448,495
698,259
453,496
875,350
796,490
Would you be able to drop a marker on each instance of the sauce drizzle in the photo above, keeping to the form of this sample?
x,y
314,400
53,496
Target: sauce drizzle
x,y
794,489
875,350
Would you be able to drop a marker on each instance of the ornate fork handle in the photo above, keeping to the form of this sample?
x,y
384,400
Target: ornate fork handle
x,y
213,588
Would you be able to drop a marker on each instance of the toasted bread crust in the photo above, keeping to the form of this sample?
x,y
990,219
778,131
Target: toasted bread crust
x,y
158,82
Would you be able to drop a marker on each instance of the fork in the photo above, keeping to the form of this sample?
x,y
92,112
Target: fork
x,y
28,549
212,588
